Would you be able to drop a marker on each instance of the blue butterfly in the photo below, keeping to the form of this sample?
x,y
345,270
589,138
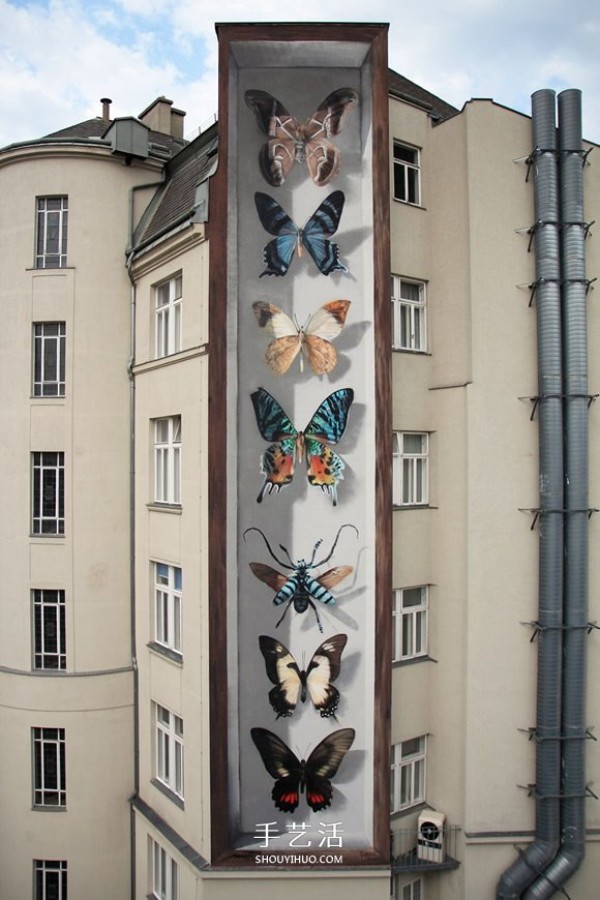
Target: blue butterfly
x,y
324,466
315,235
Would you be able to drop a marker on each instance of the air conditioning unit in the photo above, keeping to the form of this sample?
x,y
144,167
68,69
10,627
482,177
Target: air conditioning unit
x,y
430,836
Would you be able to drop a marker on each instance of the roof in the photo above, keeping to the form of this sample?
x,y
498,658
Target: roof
x,y
405,89
96,128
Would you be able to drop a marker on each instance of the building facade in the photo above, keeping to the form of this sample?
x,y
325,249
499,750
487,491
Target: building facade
x,y
105,658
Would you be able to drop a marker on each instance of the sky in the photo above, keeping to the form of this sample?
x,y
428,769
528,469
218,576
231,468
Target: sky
x,y
59,57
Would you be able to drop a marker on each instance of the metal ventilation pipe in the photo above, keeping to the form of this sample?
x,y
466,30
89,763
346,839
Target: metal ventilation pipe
x,y
573,786
538,854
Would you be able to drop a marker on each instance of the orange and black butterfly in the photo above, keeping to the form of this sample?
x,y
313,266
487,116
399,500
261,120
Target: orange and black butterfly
x,y
294,776
293,684
291,140
312,340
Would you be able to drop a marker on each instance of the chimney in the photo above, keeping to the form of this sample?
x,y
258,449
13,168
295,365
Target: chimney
x,y
160,116
105,101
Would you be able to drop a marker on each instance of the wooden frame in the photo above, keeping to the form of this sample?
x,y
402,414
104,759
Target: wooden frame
x,y
222,840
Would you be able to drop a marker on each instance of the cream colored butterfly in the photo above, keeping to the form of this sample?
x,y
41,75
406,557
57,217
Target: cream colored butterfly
x,y
312,340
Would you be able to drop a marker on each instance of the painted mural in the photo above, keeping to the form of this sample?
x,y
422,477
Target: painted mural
x,y
301,565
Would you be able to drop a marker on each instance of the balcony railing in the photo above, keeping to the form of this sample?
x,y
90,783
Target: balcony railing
x,y
411,851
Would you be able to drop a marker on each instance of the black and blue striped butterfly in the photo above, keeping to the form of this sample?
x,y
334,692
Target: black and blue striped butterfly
x,y
327,425
315,235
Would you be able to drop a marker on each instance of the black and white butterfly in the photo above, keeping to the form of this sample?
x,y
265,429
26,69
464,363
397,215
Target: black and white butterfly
x,y
314,237
293,683
293,776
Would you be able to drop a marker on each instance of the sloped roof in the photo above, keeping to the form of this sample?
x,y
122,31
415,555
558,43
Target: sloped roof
x,y
413,93
95,128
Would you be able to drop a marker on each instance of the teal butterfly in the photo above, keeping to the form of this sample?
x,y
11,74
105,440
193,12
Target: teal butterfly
x,y
324,467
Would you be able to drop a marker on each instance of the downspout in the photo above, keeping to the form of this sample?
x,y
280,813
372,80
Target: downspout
x,y
543,849
573,789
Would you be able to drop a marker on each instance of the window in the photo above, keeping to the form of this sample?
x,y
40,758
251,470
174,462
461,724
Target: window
x,y
167,608
48,493
407,180
49,650
168,317
413,890
410,470
51,239
49,777
167,460
169,749
50,879
408,315
165,874
408,774
409,636
49,359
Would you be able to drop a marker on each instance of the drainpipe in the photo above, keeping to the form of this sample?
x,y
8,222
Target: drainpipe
x,y
538,854
573,788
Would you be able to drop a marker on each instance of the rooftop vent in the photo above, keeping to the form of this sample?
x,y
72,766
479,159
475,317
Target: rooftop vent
x,y
106,101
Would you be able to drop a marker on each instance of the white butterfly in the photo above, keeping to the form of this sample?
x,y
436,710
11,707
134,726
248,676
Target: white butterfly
x,y
312,339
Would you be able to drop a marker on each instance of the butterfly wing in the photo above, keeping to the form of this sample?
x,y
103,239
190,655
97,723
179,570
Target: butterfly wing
x,y
282,351
281,764
278,461
277,156
331,417
284,673
324,668
323,327
324,466
320,227
277,254
322,765
323,157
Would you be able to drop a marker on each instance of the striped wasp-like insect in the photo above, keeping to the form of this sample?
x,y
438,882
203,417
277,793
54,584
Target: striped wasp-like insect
x,y
300,588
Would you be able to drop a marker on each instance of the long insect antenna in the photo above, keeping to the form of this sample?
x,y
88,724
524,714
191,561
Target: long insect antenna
x,y
314,553
287,553
278,561
332,551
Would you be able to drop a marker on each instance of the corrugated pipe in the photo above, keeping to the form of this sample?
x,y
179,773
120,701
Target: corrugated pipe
x,y
538,854
573,788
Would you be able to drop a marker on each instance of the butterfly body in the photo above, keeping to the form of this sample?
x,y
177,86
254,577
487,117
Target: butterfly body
x,y
293,684
312,340
291,140
294,776
289,238
327,425
300,588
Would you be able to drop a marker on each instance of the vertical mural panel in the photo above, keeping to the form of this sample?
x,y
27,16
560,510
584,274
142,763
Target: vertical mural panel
x,y
301,500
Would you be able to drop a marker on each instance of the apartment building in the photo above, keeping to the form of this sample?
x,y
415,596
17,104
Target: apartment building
x,y
106,671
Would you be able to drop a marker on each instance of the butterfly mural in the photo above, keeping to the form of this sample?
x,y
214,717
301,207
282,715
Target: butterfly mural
x,y
312,340
327,425
301,588
314,237
293,684
294,776
291,140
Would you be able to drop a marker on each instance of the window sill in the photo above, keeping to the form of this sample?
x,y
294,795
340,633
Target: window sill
x,y
399,814
400,663
173,508
47,537
164,789
167,652
49,268
403,506
50,809
411,352
408,203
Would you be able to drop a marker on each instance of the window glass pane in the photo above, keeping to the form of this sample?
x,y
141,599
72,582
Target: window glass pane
x,y
413,443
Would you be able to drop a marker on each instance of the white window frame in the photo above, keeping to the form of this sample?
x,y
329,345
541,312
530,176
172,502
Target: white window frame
x,y
168,762
167,310
49,342
411,890
46,871
409,314
47,492
408,780
410,469
167,606
48,617
410,613
167,460
52,219
164,873
49,767
407,173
